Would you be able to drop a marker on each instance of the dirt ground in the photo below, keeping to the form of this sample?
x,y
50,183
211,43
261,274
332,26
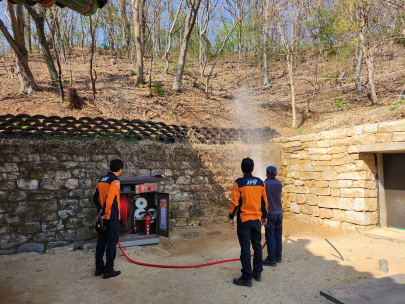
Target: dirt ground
x,y
309,265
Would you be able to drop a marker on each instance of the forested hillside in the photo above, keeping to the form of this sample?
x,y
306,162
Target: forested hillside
x,y
297,66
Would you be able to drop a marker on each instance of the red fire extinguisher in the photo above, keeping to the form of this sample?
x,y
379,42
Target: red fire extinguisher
x,y
147,219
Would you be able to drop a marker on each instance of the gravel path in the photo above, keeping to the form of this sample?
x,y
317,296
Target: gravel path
x,y
309,265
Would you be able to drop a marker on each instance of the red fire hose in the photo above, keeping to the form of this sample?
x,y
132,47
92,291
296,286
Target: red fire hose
x,y
124,209
172,266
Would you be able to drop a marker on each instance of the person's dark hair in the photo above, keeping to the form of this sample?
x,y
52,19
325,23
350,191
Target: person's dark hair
x,y
116,165
247,165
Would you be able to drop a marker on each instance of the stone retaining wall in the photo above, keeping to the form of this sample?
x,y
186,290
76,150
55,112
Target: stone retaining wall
x,y
326,181
46,187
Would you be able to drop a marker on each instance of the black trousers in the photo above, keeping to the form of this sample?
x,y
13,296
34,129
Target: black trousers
x,y
250,232
107,241
274,233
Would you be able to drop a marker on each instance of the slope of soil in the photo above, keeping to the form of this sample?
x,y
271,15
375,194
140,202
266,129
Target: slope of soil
x,y
236,98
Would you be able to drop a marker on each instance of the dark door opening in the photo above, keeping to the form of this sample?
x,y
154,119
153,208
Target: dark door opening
x,y
394,184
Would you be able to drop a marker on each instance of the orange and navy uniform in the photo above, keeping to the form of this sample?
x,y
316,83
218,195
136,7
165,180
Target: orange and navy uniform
x,y
249,200
107,196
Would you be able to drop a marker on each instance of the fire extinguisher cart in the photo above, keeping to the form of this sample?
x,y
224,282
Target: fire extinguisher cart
x,y
148,209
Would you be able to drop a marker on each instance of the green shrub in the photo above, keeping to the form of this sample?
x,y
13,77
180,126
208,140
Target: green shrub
x,y
156,89
341,104
396,104
132,73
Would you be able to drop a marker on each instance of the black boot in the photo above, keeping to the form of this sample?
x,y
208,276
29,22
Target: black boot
x,y
112,274
267,262
243,282
99,272
257,275
278,260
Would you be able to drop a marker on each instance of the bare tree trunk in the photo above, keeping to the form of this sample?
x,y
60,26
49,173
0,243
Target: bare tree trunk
x,y
62,94
292,86
82,41
28,26
266,5
370,68
126,28
169,36
40,24
193,6
18,45
219,53
93,79
359,58
136,8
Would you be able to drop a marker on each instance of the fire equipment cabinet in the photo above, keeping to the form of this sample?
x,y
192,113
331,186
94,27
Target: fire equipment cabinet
x,y
140,195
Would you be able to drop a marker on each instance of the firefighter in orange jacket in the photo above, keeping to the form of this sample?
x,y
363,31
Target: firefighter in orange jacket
x,y
107,200
249,203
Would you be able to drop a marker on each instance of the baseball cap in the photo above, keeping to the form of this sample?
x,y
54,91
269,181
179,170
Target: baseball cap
x,y
270,170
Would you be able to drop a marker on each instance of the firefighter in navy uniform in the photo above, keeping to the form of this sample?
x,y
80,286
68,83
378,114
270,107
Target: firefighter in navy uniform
x,y
107,200
249,203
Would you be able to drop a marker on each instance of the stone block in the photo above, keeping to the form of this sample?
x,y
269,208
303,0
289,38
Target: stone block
x,y
341,142
318,151
301,189
27,184
335,192
312,200
294,208
339,215
337,150
299,183
51,184
341,184
331,224
52,226
355,130
334,134
83,234
305,209
345,203
71,184
347,226
29,228
320,191
383,137
184,180
33,158
325,213
13,218
11,240
323,143
45,237
370,128
391,126
398,136
31,247
352,175
310,175
316,221
345,168
196,213
10,167
328,176
311,137
301,199
64,214
354,192
328,201
7,186
361,218
69,204
68,235
315,210
363,139
62,175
